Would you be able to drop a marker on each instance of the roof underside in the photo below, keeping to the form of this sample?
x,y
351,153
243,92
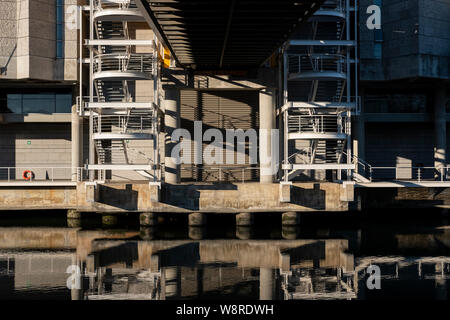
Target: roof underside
x,y
225,34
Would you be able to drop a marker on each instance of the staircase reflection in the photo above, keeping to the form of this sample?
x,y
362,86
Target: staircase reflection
x,y
117,264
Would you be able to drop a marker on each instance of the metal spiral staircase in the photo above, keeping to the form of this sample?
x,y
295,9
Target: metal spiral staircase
x,y
320,95
117,116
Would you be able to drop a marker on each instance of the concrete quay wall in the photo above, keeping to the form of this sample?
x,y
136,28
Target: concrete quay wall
x,y
226,198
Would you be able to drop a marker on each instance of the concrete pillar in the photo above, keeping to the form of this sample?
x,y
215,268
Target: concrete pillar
x,y
266,124
245,232
440,130
245,219
73,219
171,122
197,233
266,284
290,219
148,219
171,282
109,220
290,232
77,142
73,214
147,233
197,219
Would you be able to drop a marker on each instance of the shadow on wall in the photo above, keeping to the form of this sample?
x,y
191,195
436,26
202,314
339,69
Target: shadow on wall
x,y
188,196
372,198
126,199
310,198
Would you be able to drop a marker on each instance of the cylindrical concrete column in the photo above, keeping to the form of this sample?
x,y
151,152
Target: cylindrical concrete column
x,y
148,219
266,284
244,219
440,131
77,142
171,122
290,219
266,124
109,220
197,233
197,219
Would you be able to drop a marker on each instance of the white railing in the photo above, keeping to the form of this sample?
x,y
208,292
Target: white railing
x,y
39,174
225,174
317,123
322,62
135,62
417,174
123,123
114,4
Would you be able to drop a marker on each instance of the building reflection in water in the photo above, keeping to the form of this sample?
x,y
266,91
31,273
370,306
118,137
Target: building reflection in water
x,y
122,265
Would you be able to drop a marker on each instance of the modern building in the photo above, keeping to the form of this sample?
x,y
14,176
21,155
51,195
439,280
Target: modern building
x,y
93,92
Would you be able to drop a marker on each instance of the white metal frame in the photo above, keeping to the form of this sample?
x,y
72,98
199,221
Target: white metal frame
x,y
123,66
316,67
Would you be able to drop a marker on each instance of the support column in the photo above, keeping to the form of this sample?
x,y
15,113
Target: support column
x,y
266,124
290,219
197,219
266,284
440,130
77,142
148,219
171,122
244,219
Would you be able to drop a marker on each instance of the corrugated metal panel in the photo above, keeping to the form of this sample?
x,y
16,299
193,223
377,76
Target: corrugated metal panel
x,y
219,110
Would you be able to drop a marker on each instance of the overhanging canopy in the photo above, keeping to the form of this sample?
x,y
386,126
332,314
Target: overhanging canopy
x,y
225,34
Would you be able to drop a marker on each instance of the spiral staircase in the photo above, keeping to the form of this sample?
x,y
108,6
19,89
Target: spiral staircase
x,y
320,95
118,118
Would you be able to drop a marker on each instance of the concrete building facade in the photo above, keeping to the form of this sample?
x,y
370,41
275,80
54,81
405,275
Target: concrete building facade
x,y
92,91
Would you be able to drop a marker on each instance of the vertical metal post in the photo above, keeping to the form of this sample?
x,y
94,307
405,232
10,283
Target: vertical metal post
x,y
285,113
91,88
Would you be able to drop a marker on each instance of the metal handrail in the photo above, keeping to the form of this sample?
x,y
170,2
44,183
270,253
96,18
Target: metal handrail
x,y
48,172
317,123
223,169
135,62
123,123
317,62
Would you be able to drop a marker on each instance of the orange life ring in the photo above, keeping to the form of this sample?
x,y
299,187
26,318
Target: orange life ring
x,y
27,175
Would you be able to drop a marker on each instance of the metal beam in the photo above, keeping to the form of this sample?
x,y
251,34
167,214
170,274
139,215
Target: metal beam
x,y
154,25
227,32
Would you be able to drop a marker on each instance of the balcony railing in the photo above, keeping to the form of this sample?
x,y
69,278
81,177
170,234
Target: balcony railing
x,y
112,4
299,63
317,124
143,63
123,123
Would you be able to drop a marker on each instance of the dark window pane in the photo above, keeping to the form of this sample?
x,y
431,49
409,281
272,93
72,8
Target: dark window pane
x,y
63,103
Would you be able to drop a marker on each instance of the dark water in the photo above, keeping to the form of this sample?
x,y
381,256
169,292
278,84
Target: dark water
x,y
326,258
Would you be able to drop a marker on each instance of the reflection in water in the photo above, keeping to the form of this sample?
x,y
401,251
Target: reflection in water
x,y
136,265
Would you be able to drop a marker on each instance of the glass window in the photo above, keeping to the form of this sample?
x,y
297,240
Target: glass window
x,y
38,103
14,103
59,28
46,103
63,103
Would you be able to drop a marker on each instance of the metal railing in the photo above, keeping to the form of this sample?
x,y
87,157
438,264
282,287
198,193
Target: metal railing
x,y
223,174
417,174
112,4
323,62
333,5
123,123
135,62
40,174
317,123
